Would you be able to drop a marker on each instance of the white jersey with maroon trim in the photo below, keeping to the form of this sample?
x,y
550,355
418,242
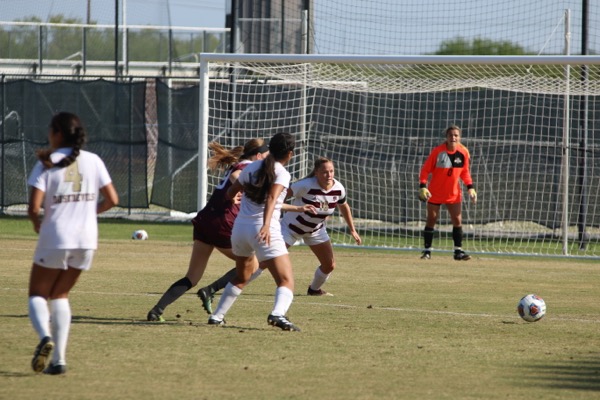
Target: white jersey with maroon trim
x,y
308,191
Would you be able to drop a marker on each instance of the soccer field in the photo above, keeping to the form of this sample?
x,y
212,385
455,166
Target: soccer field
x,y
397,328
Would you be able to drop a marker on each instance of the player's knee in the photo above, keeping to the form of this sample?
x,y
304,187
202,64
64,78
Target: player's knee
x,y
327,268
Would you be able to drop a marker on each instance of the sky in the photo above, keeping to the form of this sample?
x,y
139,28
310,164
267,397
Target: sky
x,y
361,26
192,13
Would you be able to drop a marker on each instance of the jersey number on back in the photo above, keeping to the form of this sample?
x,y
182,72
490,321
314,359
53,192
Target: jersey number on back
x,y
72,175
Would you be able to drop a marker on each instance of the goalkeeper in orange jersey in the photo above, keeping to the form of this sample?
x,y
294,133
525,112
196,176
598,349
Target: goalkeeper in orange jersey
x,y
447,163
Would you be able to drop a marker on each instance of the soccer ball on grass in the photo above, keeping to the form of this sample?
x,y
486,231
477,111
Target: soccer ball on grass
x,y
140,234
532,308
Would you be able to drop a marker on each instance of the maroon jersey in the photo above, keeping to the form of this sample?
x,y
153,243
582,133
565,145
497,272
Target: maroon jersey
x,y
213,224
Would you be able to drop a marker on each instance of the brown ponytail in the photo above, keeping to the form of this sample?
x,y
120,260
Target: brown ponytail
x,y
73,136
223,158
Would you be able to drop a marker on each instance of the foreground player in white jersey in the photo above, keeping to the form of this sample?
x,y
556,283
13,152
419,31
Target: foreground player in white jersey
x,y
65,182
257,231
322,191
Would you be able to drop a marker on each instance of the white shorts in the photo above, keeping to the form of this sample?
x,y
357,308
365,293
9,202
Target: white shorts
x,y
244,242
64,258
317,237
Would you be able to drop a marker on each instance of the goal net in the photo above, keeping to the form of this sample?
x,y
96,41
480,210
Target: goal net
x,y
530,124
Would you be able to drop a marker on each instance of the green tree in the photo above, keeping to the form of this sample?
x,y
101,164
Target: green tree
x,y
58,43
479,47
19,41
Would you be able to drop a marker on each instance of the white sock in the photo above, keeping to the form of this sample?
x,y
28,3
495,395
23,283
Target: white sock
x,y
39,316
283,301
60,311
229,296
319,279
256,274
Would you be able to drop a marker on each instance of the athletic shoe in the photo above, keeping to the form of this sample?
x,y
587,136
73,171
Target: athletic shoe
x,y
318,292
206,298
41,354
282,322
426,255
212,320
56,369
460,255
155,315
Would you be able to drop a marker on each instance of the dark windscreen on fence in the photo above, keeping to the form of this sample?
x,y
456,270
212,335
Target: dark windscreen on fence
x,y
112,113
176,173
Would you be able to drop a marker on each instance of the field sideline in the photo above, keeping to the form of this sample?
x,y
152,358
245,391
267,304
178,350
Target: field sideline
x,y
397,328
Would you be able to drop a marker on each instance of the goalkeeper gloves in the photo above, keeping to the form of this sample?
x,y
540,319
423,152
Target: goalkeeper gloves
x,y
473,195
424,194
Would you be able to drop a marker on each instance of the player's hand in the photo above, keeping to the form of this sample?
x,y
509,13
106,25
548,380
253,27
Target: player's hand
x,y
356,237
237,199
424,194
309,208
264,235
473,195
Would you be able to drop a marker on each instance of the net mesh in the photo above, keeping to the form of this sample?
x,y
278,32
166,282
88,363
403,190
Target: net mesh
x,y
379,121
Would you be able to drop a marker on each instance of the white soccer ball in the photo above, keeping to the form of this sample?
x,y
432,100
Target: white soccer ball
x,y
140,234
531,308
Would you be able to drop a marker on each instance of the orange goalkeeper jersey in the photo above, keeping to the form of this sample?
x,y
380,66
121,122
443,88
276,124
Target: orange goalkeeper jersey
x,y
446,168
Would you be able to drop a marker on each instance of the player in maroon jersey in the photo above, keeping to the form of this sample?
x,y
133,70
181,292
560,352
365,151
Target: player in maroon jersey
x,y
213,224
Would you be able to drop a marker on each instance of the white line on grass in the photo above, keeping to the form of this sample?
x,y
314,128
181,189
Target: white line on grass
x,y
399,309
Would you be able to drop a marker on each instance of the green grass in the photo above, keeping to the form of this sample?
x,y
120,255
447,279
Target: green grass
x,y
181,232
443,240
397,328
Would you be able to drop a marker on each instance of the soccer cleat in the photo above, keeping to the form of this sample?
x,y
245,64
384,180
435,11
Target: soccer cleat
x,y
155,315
212,320
318,292
56,369
460,255
426,255
206,298
41,354
282,322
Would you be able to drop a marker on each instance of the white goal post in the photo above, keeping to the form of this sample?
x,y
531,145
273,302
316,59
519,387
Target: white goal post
x,y
530,123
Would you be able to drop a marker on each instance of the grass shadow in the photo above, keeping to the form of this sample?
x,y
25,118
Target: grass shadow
x,y
13,374
86,319
572,374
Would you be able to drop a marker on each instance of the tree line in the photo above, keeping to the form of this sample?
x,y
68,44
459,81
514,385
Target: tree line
x,y
57,43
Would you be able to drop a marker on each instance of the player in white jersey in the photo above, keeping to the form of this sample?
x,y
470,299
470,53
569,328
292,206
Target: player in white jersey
x,y
323,192
66,182
257,231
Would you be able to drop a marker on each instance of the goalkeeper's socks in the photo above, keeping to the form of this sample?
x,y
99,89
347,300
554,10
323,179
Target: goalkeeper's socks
x,y
428,237
457,236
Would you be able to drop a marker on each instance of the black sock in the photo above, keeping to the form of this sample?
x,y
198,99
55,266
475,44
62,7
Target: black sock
x,y
176,290
221,282
457,236
428,236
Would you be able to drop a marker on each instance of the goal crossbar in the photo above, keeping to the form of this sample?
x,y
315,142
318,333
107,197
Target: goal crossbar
x,y
417,59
